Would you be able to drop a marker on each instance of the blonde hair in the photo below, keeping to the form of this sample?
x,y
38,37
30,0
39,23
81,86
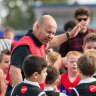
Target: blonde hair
x,y
53,56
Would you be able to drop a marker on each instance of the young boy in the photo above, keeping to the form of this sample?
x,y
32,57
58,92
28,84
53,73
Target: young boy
x,y
52,57
71,78
52,80
4,64
87,67
89,42
34,68
5,58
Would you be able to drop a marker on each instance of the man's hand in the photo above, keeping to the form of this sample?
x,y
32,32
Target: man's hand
x,y
76,29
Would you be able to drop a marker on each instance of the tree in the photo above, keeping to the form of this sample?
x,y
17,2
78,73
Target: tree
x,y
20,13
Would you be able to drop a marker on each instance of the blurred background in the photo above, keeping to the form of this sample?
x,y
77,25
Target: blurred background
x,y
21,14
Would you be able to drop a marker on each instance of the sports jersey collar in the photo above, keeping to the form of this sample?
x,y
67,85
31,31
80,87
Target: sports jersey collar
x,y
31,83
38,43
88,80
48,89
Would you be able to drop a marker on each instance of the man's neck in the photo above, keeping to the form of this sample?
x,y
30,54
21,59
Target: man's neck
x,y
84,30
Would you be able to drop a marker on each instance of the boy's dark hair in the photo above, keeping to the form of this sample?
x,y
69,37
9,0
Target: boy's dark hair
x,y
87,64
4,52
90,37
33,63
69,25
82,11
52,74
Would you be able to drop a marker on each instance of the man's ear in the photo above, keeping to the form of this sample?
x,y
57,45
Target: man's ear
x,y
88,19
35,75
37,26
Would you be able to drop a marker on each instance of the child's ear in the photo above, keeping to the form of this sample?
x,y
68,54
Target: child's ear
x,y
56,82
83,48
79,70
35,74
66,65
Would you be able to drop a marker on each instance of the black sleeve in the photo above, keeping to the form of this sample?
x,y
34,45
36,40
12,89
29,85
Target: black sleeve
x,y
19,55
73,93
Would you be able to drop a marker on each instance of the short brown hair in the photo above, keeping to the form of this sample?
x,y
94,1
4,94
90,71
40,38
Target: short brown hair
x,y
87,64
76,53
4,52
82,11
91,37
9,29
52,74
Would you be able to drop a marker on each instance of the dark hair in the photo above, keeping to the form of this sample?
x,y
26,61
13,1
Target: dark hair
x,y
69,25
82,11
91,37
33,63
87,64
52,74
4,52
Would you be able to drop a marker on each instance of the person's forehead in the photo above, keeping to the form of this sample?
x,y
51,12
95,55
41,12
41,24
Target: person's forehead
x,y
91,43
82,16
72,57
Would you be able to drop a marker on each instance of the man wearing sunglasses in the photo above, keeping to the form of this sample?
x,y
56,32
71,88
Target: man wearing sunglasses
x,y
81,14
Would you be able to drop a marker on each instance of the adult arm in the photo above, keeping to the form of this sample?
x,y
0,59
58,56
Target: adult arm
x,y
18,56
57,40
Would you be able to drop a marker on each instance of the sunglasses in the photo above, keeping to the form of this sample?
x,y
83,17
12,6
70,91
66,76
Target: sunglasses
x,y
80,19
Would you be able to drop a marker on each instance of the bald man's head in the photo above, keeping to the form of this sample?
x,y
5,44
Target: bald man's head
x,y
45,19
45,28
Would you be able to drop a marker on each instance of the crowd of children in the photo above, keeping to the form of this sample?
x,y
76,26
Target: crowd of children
x,y
78,77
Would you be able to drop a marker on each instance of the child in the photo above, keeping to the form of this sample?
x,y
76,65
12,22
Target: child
x,y
4,64
5,58
89,42
9,34
71,78
93,52
87,67
34,68
52,80
52,57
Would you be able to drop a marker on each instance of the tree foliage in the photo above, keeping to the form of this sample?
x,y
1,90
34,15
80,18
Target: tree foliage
x,y
20,14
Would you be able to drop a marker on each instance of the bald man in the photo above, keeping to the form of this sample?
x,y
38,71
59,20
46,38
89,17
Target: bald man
x,y
34,43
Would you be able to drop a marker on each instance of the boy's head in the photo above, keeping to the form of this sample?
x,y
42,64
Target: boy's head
x,y
72,58
5,58
35,67
52,75
87,64
82,13
52,57
9,33
68,26
89,42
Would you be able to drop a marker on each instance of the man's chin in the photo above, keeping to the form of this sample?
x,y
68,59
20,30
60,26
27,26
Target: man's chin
x,y
84,30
